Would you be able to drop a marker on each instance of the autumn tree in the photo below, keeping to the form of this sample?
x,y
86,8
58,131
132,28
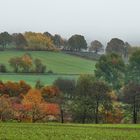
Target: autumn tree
x,y
23,87
11,88
52,94
6,111
26,63
15,63
113,116
14,88
96,46
38,41
34,105
77,43
2,88
53,109
21,64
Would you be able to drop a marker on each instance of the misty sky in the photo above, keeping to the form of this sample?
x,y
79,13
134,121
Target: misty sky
x,y
95,19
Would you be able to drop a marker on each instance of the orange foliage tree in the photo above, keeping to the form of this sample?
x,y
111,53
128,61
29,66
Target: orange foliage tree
x,y
14,88
34,105
50,93
6,111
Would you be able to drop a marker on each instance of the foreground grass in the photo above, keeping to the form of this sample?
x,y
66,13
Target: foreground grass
x,y
22,131
58,62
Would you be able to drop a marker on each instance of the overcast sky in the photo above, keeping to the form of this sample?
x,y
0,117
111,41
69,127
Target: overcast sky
x,y
95,19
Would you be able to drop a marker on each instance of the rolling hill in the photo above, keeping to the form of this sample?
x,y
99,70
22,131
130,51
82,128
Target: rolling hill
x,y
58,62
63,65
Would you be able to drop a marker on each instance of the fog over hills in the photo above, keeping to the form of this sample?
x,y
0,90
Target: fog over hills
x,y
95,19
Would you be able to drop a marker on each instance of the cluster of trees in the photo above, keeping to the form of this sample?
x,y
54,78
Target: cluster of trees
x,y
20,102
46,41
41,41
112,95
25,64
30,41
123,78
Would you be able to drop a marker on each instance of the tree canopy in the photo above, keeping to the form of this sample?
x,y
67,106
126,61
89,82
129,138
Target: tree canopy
x,y
110,68
96,46
77,43
115,46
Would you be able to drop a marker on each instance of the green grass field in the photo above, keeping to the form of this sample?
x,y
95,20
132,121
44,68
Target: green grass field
x,y
22,131
31,79
58,62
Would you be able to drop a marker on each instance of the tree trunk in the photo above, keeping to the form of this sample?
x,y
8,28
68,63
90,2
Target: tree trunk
x,y
1,119
97,113
134,113
62,116
84,117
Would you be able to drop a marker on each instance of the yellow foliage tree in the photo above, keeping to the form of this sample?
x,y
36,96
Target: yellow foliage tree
x,y
38,41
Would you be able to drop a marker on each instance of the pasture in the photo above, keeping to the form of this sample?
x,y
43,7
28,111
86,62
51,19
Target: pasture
x,y
23,131
31,79
58,62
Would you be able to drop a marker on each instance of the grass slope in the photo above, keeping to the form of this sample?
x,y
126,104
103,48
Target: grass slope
x,y
22,131
31,79
56,61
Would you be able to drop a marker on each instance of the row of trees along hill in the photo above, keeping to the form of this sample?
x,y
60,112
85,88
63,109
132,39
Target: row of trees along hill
x,y
112,95
41,41
47,41
30,41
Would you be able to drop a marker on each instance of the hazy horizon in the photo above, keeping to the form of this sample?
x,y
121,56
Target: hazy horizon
x,y
95,19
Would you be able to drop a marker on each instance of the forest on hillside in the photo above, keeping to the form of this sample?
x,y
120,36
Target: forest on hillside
x,y
110,95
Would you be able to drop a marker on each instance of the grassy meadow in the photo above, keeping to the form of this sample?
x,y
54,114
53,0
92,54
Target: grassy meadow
x,y
62,64
58,62
31,79
23,131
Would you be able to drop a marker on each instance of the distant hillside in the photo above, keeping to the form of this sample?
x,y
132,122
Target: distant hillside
x,y
57,62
